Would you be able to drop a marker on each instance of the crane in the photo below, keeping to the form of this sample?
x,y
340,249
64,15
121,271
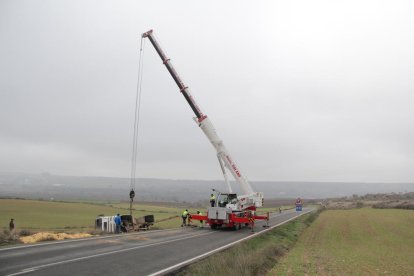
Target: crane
x,y
226,203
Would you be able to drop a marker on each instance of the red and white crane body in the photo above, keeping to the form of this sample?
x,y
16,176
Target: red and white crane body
x,y
250,200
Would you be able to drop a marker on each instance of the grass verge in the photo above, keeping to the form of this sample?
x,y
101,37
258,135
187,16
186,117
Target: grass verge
x,y
255,256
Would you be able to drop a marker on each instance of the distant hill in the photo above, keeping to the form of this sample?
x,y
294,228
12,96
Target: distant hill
x,y
47,186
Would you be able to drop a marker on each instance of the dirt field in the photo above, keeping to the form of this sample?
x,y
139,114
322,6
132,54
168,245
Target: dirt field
x,y
354,242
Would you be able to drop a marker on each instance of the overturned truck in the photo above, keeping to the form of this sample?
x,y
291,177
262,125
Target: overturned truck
x,y
128,223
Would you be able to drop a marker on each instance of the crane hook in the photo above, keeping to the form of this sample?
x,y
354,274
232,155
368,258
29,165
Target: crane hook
x,y
132,194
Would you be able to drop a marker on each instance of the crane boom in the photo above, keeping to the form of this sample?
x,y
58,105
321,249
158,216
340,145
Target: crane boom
x,y
250,198
175,76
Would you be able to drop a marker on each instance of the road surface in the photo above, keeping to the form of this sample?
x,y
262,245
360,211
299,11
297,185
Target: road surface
x,y
143,253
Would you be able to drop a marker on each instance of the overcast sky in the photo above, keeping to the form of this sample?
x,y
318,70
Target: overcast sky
x,y
297,90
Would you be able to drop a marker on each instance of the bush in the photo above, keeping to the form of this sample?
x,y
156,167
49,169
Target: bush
x,y
408,206
6,237
96,232
25,232
390,205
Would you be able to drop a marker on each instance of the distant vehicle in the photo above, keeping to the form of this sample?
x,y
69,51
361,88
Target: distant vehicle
x,y
230,210
298,204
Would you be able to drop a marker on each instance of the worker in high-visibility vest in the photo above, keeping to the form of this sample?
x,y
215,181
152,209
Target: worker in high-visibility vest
x,y
201,225
212,200
184,216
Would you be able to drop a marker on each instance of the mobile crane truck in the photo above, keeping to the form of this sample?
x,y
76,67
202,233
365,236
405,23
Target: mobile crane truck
x,y
230,210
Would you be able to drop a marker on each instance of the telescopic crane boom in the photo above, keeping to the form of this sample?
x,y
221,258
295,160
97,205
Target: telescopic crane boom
x,y
250,199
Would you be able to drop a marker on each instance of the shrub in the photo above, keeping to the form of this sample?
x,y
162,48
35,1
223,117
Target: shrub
x,y
359,204
6,237
96,232
25,232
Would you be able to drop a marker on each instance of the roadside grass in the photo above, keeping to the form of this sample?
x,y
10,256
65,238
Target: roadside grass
x,y
255,256
70,217
354,242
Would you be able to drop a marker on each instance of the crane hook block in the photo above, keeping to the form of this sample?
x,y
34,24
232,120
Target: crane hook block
x,y
131,194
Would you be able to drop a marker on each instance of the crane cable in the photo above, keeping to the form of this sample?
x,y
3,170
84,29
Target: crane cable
x,y
136,124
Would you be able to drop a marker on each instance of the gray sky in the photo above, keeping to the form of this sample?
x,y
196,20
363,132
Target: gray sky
x,y
298,90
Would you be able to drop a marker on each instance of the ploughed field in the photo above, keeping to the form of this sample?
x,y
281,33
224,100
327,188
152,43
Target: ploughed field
x,y
354,242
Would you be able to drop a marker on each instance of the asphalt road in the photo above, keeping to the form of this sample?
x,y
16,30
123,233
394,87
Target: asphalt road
x,y
142,253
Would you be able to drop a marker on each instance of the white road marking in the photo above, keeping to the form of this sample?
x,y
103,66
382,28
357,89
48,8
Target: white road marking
x,y
22,272
31,269
169,269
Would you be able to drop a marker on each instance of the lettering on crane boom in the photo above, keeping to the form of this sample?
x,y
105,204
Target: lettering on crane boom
x,y
233,166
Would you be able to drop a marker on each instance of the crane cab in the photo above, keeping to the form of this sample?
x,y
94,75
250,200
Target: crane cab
x,y
224,199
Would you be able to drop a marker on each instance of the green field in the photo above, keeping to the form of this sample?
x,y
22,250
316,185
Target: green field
x,y
36,215
354,242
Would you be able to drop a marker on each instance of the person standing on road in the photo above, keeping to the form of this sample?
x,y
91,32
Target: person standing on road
x,y
117,224
212,200
201,221
184,216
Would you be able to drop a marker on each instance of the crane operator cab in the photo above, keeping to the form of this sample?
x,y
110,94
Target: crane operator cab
x,y
224,199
